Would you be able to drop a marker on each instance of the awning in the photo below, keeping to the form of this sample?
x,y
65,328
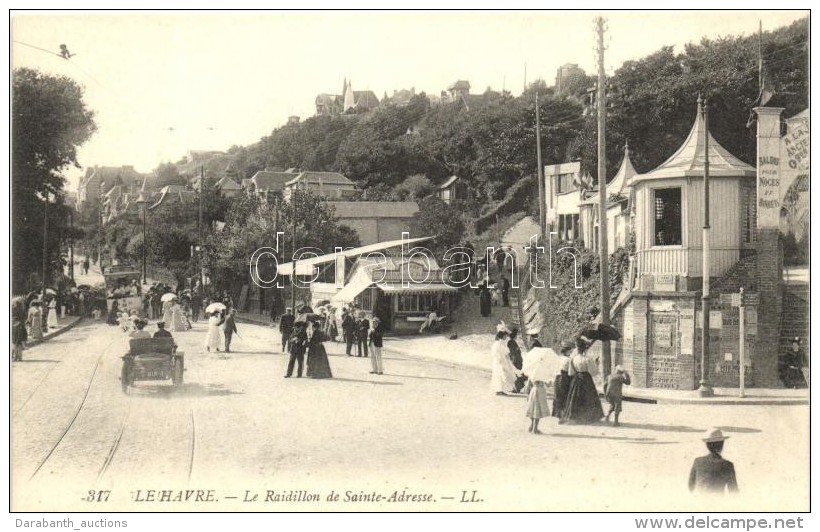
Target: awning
x,y
397,288
354,288
287,268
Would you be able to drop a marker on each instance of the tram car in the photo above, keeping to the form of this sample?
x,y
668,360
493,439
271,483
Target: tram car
x,y
152,359
123,285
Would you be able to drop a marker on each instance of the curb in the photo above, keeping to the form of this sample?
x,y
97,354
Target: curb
x,y
252,321
58,332
647,399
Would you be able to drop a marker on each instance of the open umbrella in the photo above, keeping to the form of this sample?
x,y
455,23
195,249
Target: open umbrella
x,y
51,292
170,296
306,317
601,332
215,307
541,364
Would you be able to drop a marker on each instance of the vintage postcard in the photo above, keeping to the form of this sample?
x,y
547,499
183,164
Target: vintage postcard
x,y
409,261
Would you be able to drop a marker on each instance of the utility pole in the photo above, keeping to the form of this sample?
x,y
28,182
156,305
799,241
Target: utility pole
x,y
542,216
603,245
100,219
293,257
45,246
71,243
199,227
705,389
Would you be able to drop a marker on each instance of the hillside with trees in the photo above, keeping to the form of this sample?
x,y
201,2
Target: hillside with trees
x,y
489,139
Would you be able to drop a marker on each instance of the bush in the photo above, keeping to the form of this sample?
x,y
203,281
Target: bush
x,y
567,308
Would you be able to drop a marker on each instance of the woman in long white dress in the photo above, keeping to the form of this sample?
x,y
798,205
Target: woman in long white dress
x,y
167,312
34,320
503,371
52,314
178,321
214,332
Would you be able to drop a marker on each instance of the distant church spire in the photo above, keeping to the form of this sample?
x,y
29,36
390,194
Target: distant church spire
x,y
349,98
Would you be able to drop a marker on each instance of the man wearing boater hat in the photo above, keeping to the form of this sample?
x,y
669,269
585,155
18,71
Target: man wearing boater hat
x,y
711,473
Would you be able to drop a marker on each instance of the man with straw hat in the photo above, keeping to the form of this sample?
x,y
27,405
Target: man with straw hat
x,y
711,473
376,339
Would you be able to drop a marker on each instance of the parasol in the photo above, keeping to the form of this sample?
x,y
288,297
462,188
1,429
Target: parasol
x,y
306,316
51,292
541,364
170,296
215,307
601,332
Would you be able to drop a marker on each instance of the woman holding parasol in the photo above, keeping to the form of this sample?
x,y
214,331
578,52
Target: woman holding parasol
x,y
583,405
214,337
503,371
318,366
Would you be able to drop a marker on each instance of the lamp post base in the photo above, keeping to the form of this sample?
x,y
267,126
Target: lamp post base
x,y
705,390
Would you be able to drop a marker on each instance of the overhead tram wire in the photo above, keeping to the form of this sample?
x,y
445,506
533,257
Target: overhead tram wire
x,y
65,58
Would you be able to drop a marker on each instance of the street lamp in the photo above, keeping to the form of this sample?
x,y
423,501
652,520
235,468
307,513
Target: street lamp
x,y
45,246
142,200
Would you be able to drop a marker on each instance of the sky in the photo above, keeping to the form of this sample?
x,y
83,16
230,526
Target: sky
x,y
163,83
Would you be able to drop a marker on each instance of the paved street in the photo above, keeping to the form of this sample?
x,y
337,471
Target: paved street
x,y
422,428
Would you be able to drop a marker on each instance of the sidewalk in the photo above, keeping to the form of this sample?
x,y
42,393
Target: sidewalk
x,y
474,351
256,319
64,324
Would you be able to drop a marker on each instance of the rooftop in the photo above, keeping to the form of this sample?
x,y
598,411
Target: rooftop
x,y
374,209
325,178
689,159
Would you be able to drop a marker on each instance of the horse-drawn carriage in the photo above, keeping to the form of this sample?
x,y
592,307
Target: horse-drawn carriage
x,y
152,359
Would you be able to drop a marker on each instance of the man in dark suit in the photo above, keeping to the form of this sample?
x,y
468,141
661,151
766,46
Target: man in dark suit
x,y
348,331
286,328
161,332
711,473
298,345
229,327
362,332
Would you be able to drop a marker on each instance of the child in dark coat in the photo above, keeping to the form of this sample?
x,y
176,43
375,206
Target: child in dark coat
x,y
613,391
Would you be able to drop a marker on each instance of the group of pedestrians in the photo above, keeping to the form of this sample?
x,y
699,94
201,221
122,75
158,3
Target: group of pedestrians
x,y
306,338
576,401
221,328
299,333
575,394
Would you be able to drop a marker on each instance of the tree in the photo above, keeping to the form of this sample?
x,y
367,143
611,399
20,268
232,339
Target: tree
x,y
415,188
167,174
49,121
252,223
439,219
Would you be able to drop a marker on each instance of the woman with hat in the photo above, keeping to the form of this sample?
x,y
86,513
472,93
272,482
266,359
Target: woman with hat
x,y
213,339
139,325
34,320
376,338
19,335
318,366
583,405
790,366
503,371
712,473
561,383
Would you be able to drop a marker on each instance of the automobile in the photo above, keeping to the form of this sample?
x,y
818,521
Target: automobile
x,y
152,359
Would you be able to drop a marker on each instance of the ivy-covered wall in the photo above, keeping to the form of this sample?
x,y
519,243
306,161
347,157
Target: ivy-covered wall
x,y
568,309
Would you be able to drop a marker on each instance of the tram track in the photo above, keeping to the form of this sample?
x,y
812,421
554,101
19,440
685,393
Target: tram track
x,y
73,419
45,377
115,445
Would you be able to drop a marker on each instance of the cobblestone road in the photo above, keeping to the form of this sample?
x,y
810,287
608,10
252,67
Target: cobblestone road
x,y
422,428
